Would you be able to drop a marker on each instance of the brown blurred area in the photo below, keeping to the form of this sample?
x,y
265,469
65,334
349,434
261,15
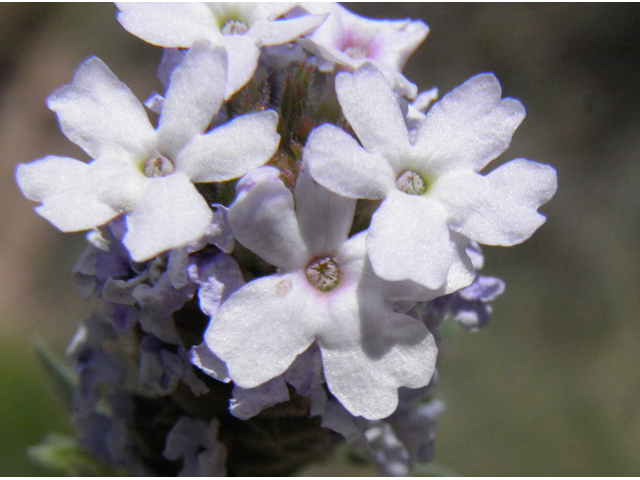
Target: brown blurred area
x,y
552,385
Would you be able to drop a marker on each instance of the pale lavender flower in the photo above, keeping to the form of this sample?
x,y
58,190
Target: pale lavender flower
x,y
241,28
351,41
324,292
143,172
434,199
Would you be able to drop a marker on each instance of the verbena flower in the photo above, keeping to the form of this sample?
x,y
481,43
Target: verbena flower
x,y
351,41
143,172
431,189
241,28
324,292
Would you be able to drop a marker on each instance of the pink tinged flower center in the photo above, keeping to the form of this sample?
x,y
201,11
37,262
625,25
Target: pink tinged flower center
x,y
234,27
356,52
354,47
412,183
323,273
158,166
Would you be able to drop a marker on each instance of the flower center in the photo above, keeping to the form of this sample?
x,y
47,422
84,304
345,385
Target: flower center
x,y
323,273
412,183
356,52
234,27
158,166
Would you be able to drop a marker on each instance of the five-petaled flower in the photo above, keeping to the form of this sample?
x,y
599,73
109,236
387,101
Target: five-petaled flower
x,y
351,41
323,292
143,172
435,200
241,28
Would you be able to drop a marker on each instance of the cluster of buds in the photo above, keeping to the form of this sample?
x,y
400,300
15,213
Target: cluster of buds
x,y
275,256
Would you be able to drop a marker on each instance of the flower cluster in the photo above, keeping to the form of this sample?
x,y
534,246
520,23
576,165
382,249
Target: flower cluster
x,y
282,246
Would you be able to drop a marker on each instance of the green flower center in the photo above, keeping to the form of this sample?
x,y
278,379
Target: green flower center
x,y
412,183
323,273
158,166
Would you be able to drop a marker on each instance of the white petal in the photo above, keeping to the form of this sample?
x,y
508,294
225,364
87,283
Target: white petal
x,y
66,188
409,240
262,328
243,61
196,91
339,163
263,220
269,10
324,217
461,274
397,40
170,214
382,352
469,127
231,150
283,31
399,83
209,363
500,208
168,24
100,114
372,109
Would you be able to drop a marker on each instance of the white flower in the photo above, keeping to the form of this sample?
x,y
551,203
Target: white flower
x,y
324,292
144,172
242,28
432,192
351,41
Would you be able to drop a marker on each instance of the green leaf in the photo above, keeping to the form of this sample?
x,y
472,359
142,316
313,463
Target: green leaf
x,y
62,454
62,377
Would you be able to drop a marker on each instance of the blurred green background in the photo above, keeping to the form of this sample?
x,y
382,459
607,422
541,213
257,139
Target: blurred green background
x,y
552,385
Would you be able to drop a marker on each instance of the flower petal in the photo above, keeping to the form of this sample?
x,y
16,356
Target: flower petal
x,y
209,363
262,328
469,127
397,40
100,114
268,10
266,33
324,217
409,240
499,208
218,277
195,94
170,214
337,162
66,188
247,403
379,125
461,274
382,352
168,24
231,150
263,220
243,61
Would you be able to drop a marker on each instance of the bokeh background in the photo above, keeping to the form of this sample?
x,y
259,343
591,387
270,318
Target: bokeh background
x,y
552,385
